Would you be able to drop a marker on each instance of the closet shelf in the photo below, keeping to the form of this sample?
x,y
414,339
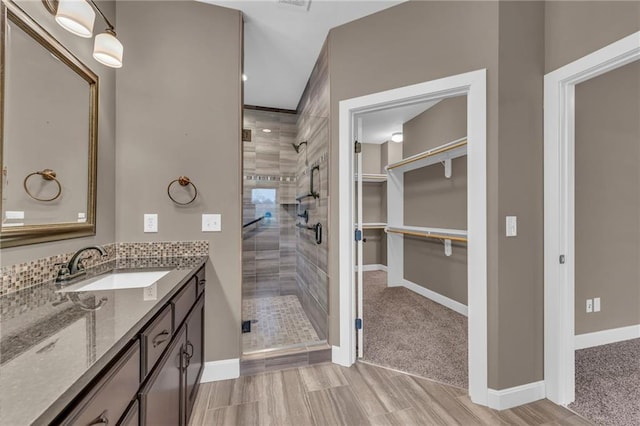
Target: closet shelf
x,y
374,225
441,154
435,233
373,177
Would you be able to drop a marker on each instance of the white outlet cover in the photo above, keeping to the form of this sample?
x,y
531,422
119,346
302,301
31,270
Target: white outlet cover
x,y
596,304
150,222
211,222
512,226
14,214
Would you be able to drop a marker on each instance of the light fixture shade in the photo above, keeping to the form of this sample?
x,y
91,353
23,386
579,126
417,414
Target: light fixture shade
x,y
397,137
76,16
108,50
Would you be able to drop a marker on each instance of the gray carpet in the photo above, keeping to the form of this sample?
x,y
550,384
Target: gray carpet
x,y
608,383
410,333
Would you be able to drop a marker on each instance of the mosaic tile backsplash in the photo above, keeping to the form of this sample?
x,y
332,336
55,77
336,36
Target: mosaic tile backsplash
x,y
28,274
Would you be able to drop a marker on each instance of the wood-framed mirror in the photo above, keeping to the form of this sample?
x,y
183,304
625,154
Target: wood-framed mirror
x,y
48,135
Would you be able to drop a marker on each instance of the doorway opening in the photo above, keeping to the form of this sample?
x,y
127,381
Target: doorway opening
x,y
561,237
473,86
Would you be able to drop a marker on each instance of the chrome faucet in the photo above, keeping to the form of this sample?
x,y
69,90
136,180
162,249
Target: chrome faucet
x,y
74,268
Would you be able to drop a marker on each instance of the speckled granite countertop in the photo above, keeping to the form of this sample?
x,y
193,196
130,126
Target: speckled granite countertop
x,y
53,343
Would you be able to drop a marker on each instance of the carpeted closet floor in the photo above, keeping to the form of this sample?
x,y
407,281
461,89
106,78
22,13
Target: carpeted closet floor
x,y
608,383
410,333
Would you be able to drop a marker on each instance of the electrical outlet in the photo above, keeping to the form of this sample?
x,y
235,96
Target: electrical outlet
x,y
596,304
151,222
211,222
589,305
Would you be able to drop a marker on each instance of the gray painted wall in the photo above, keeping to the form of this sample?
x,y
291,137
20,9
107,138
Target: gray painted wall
x,y
434,201
607,199
433,29
105,220
179,113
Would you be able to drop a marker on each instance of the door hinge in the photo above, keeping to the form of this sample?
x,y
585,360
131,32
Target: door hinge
x,y
358,147
358,323
358,235
562,259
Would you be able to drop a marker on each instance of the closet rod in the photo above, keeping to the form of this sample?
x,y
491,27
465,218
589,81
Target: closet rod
x,y
434,236
427,154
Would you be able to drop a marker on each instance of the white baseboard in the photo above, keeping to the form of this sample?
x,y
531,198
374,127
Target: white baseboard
x,y
374,267
340,356
221,370
518,395
437,297
604,337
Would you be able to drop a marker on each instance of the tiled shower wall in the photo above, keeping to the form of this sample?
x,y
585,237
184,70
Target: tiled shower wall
x,y
312,258
268,257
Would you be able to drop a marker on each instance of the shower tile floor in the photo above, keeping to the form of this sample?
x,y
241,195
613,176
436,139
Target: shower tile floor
x,y
277,322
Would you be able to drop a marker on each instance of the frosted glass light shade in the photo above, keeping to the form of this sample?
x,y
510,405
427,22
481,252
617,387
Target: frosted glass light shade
x,y
108,50
76,16
397,137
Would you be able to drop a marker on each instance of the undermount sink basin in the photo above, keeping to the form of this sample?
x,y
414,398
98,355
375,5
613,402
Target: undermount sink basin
x,y
118,281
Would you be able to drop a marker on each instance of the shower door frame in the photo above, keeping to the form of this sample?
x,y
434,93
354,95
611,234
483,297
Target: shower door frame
x,y
473,86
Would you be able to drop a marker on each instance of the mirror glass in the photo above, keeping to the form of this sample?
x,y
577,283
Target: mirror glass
x,y
48,137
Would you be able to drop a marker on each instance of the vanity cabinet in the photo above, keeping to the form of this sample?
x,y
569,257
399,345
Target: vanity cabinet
x,y
195,354
161,398
155,380
107,401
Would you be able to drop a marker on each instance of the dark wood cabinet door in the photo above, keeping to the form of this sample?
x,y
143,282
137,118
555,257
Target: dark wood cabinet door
x,y
161,397
195,354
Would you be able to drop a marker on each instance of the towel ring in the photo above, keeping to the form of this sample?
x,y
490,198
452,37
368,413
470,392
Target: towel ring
x,y
47,174
183,181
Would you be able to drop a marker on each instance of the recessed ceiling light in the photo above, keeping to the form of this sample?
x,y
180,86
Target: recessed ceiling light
x,y
244,77
397,137
266,130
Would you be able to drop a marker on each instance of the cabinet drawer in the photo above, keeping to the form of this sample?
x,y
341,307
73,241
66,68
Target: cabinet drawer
x,y
183,301
107,401
155,338
201,280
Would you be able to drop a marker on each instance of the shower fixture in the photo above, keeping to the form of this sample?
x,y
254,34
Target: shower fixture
x,y
297,147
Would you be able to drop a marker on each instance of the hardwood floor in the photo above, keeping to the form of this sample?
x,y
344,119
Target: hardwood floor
x,y
328,394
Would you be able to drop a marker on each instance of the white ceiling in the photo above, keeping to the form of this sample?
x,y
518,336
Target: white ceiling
x,y
378,126
283,41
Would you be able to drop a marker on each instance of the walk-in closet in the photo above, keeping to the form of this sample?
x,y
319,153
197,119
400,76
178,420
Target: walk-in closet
x,y
413,216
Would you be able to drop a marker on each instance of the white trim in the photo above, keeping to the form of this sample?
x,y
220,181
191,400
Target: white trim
x,y
220,370
374,267
604,337
559,209
437,297
518,395
341,356
473,85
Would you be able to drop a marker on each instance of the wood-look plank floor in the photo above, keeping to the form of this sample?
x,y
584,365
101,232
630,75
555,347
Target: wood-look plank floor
x,y
328,394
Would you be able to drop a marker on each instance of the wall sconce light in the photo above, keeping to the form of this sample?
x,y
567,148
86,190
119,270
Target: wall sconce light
x,y
397,137
78,17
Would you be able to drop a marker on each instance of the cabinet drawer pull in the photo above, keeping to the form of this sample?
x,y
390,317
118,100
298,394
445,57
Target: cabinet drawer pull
x,y
101,420
160,338
201,282
189,355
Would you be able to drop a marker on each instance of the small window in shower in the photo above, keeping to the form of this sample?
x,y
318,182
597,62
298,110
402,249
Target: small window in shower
x,y
263,196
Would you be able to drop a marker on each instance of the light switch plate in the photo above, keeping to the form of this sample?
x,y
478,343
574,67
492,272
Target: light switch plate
x,y
589,306
211,222
596,304
150,222
512,226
